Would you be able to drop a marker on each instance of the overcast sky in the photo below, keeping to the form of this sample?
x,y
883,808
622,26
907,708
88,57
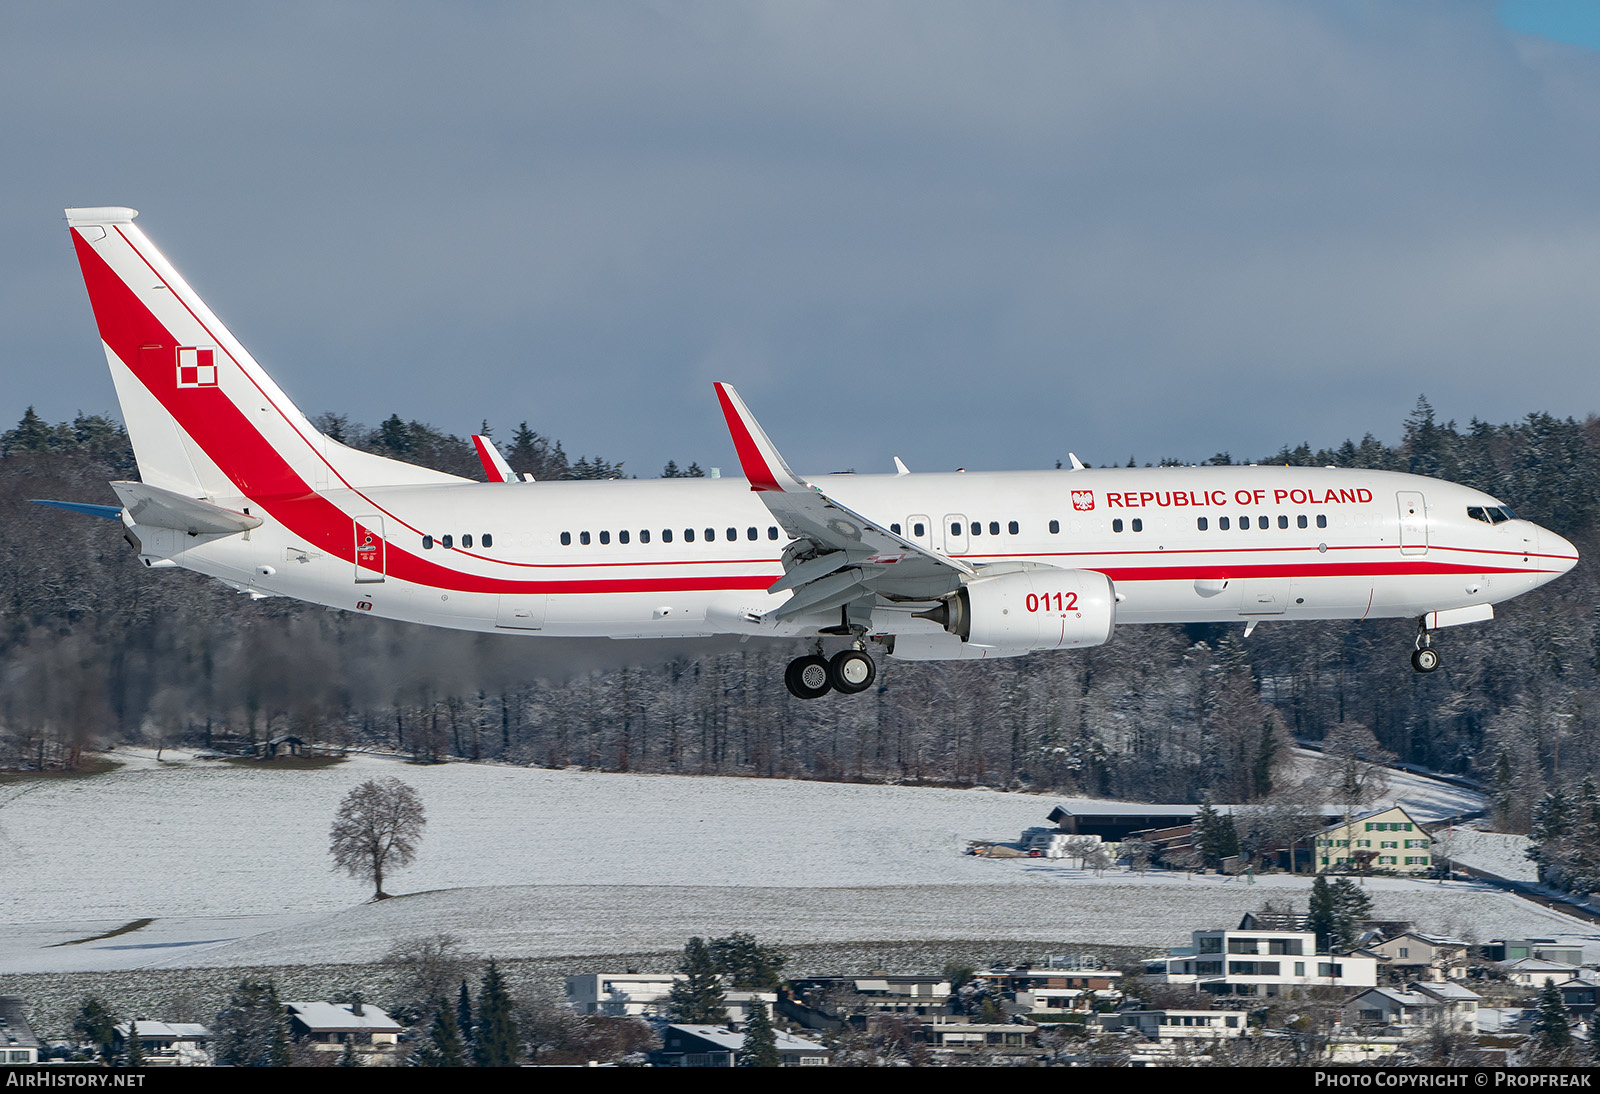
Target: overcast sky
x,y
978,234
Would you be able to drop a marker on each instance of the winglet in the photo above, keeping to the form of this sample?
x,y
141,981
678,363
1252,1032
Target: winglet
x,y
494,464
758,457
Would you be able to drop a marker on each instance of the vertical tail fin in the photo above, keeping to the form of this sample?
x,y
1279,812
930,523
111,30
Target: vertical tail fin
x,y
203,417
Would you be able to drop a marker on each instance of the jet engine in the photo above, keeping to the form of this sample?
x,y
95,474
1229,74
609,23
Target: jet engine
x,y
1043,608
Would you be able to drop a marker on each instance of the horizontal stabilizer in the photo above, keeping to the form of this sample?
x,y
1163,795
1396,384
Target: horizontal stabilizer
x,y
110,512
158,508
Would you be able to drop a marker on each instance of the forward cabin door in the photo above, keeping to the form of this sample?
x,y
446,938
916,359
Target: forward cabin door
x,y
1413,523
371,558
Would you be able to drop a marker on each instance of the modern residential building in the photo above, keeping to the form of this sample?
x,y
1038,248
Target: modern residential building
x,y
1264,963
646,995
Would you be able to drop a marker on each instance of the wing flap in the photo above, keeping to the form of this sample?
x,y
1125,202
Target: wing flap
x,y
886,561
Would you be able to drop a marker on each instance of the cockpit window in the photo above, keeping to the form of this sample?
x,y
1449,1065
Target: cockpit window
x,y
1490,514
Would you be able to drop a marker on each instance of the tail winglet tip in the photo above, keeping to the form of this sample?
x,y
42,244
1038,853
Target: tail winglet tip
x,y
100,214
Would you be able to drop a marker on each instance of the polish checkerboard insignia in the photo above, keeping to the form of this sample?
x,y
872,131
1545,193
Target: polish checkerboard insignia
x,y
197,366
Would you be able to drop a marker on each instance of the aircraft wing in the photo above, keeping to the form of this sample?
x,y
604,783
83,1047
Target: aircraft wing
x,y
846,557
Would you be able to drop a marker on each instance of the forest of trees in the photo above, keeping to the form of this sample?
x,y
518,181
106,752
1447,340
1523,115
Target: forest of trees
x,y
95,650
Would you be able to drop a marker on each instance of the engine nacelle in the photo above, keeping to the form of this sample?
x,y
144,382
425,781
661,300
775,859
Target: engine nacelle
x,y
1036,609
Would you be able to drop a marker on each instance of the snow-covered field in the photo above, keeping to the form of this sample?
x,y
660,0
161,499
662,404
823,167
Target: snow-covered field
x,y
231,862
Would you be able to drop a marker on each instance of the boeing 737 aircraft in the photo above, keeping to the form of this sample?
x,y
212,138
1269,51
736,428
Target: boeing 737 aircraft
x,y
237,484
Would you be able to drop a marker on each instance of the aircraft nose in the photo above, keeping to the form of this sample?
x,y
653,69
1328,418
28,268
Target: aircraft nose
x,y
1558,552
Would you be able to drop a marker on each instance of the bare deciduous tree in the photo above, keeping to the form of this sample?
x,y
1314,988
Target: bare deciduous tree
x,y
377,829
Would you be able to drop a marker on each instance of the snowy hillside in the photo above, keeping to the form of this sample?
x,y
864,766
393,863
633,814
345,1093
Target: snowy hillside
x,y
231,862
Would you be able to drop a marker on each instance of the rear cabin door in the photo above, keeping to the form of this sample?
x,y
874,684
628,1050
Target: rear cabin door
x,y
371,558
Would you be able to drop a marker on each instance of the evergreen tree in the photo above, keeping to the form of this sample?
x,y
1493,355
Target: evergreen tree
x,y
1216,838
96,1025
760,1041
1322,913
698,997
251,1030
444,1047
32,434
496,1044
135,1053
746,964
464,1012
348,1057
1337,912
395,436
1552,1027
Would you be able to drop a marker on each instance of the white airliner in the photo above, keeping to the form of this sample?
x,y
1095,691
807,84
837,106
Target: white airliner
x,y
238,484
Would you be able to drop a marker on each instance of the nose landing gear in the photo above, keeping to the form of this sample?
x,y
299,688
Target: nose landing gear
x,y
1424,658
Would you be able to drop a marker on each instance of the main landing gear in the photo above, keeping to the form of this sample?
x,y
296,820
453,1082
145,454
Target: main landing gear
x,y
847,672
1425,658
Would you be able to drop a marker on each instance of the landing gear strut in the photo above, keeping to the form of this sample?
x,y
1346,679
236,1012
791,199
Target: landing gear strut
x,y
813,676
1425,658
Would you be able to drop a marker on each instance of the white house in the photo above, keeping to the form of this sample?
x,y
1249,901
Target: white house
x,y
1186,1025
645,995
328,1027
1244,962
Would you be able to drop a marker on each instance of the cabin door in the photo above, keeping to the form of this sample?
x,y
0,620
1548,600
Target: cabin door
x,y
1413,523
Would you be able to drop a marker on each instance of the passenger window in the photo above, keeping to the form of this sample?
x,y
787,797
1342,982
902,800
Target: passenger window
x,y
1116,525
622,536
955,529
711,535
977,529
488,540
1013,527
1222,523
895,528
1200,523
427,542
566,539
1283,522
1322,520
751,533
994,528
918,528
666,535
466,541
1055,528
688,535
1263,522
733,534
1244,524
644,535
1138,525
1300,521
605,537
583,538
447,542
772,531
